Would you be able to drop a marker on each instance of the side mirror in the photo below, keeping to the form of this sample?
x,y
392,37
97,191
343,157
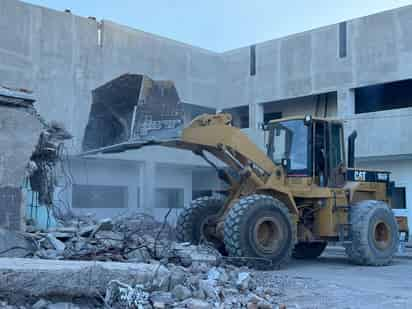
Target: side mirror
x,y
286,163
308,120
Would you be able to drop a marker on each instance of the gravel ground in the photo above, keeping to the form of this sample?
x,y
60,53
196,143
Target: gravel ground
x,y
331,282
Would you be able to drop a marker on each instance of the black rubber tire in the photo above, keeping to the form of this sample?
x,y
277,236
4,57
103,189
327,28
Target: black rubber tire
x,y
190,220
239,227
309,250
363,250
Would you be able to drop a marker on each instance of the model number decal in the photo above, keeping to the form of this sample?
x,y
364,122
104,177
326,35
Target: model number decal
x,y
382,176
360,175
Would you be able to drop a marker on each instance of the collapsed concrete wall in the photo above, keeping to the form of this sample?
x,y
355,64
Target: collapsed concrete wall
x,y
20,129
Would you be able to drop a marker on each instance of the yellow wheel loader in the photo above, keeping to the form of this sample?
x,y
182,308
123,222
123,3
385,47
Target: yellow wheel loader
x,y
289,201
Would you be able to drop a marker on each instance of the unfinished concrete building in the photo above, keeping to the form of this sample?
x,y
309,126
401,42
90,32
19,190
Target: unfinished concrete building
x,y
359,70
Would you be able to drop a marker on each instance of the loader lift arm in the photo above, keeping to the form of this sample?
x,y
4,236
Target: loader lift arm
x,y
215,135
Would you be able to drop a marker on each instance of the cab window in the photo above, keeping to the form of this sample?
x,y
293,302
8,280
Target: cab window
x,y
336,151
290,141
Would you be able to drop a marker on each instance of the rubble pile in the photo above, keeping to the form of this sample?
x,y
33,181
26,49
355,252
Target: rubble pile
x,y
157,273
199,286
135,238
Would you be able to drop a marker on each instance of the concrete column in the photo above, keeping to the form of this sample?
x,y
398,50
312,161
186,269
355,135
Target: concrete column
x,y
346,103
148,185
255,115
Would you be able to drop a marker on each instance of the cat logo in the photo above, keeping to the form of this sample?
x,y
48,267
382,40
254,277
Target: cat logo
x,y
360,175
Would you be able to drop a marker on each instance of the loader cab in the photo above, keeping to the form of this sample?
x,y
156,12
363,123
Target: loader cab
x,y
309,147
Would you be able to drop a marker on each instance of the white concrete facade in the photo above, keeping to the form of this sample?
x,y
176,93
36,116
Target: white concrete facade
x,y
62,58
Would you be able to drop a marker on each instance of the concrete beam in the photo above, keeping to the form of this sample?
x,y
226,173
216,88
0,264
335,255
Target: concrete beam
x,y
74,278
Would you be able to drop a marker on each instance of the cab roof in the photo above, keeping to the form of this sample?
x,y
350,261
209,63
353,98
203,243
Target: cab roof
x,y
302,117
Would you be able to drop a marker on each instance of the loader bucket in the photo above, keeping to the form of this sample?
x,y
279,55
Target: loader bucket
x,y
133,107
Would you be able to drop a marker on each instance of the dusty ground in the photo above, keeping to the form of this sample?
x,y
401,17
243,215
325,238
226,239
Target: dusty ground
x,y
328,282
331,282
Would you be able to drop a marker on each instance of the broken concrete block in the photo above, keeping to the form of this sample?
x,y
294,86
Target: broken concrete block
x,y
122,295
66,229
243,281
199,294
40,304
81,278
63,306
86,231
103,225
49,254
209,288
264,305
198,304
217,274
161,299
110,239
20,130
196,253
14,244
140,255
57,244
177,275
252,306
181,292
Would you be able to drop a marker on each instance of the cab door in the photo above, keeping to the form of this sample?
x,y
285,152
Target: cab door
x,y
335,150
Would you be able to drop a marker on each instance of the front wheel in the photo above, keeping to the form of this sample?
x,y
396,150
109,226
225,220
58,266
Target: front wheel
x,y
374,233
192,223
259,232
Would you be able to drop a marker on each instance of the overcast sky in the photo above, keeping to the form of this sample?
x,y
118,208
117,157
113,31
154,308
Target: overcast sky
x,y
221,25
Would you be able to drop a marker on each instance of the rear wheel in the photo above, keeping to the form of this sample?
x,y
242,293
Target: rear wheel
x,y
374,233
308,250
192,224
259,232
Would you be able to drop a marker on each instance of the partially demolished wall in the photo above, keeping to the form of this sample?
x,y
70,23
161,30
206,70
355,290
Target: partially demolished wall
x,y
20,129
28,150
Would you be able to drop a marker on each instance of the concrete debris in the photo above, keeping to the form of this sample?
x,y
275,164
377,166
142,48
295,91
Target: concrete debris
x,y
120,239
14,244
44,159
62,306
43,278
125,295
57,244
197,304
243,281
20,131
41,304
119,265
30,148
181,292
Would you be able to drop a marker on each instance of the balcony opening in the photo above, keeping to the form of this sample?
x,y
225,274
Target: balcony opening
x,y
383,97
320,105
240,116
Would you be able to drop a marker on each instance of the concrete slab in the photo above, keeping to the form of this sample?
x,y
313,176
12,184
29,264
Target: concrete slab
x,y
74,278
